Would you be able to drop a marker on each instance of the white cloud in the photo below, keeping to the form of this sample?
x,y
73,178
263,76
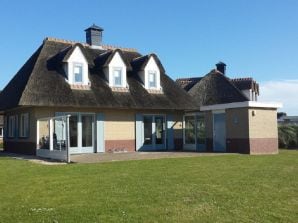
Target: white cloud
x,y
284,91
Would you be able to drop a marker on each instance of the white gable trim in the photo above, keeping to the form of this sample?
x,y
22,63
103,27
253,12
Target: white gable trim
x,y
116,63
77,58
151,67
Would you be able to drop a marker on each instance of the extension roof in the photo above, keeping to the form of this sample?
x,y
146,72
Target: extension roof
x,y
41,82
215,88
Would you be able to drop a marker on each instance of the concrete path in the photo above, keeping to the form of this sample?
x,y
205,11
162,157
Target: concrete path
x,y
108,157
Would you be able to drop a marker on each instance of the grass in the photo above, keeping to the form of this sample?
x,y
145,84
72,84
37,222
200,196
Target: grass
x,y
231,188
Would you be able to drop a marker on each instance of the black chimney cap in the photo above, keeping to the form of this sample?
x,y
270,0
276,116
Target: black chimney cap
x,y
221,63
94,27
221,67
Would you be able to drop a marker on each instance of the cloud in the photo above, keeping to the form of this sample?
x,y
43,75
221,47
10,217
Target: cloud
x,y
284,91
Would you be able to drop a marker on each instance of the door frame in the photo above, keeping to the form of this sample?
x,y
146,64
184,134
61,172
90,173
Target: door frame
x,y
154,146
216,112
80,149
195,146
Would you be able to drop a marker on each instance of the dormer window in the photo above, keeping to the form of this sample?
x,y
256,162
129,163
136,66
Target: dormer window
x,y
76,68
152,79
117,77
115,69
78,73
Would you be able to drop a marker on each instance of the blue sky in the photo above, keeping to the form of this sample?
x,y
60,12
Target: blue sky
x,y
257,38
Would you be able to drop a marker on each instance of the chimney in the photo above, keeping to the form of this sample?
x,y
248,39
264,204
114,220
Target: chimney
x,y
221,67
94,35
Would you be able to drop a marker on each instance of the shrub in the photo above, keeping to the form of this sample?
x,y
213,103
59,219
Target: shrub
x,y
288,136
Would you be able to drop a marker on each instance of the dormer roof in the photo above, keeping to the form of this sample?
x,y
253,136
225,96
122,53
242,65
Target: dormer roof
x,y
104,59
141,62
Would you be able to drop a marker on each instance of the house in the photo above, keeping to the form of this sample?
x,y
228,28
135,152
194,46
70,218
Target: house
x,y
284,119
96,98
229,112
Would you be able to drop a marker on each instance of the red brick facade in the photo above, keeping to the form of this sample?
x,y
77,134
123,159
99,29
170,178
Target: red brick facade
x,y
28,148
120,145
264,146
253,146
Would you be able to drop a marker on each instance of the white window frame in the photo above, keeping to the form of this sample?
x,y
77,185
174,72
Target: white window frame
x,y
81,66
121,76
154,73
11,126
24,125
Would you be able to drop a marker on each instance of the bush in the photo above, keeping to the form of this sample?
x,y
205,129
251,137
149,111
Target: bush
x,y
288,136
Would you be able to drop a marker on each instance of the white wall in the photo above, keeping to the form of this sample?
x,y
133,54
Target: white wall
x,y
116,62
151,66
77,57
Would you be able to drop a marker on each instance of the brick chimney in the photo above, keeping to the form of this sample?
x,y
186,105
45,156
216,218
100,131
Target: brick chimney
x,y
221,67
94,35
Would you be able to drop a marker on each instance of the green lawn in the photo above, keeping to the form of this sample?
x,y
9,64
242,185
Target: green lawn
x,y
230,188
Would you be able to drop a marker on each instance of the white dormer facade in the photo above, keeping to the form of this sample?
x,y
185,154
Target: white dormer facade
x,y
115,72
250,94
76,68
151,75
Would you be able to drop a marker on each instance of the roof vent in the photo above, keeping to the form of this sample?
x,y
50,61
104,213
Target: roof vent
x,y
94,35
221,67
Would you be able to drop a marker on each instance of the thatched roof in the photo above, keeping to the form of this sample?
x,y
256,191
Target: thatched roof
x,y
215,88
41,82
246,83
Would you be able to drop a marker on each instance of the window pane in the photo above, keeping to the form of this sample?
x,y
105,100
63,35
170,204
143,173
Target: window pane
x,y
78,78
152,79
73,131
147,130
117,73
201,132
78,73
159,123
189,129
87,121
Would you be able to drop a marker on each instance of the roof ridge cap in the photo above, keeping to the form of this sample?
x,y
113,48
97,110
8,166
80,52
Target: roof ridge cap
x,y
113,47
58,40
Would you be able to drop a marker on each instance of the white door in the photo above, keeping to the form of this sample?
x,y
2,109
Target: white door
x,y
81,133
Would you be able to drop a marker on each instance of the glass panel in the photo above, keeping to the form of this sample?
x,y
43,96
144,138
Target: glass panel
x,y
59,137
152,79
73,131
201,131
147,130
87,139
190,130
117,77
78,73
44,134
159,123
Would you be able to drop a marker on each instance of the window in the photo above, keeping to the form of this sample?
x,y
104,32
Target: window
x,y
190,130
117,77
24,125
78,73
1,132
11,126
152,79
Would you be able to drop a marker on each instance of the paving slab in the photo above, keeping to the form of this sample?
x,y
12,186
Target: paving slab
x,y
110,157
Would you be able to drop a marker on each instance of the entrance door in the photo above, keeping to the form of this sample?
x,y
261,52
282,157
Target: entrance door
x,y
81,133
219,132
154,132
